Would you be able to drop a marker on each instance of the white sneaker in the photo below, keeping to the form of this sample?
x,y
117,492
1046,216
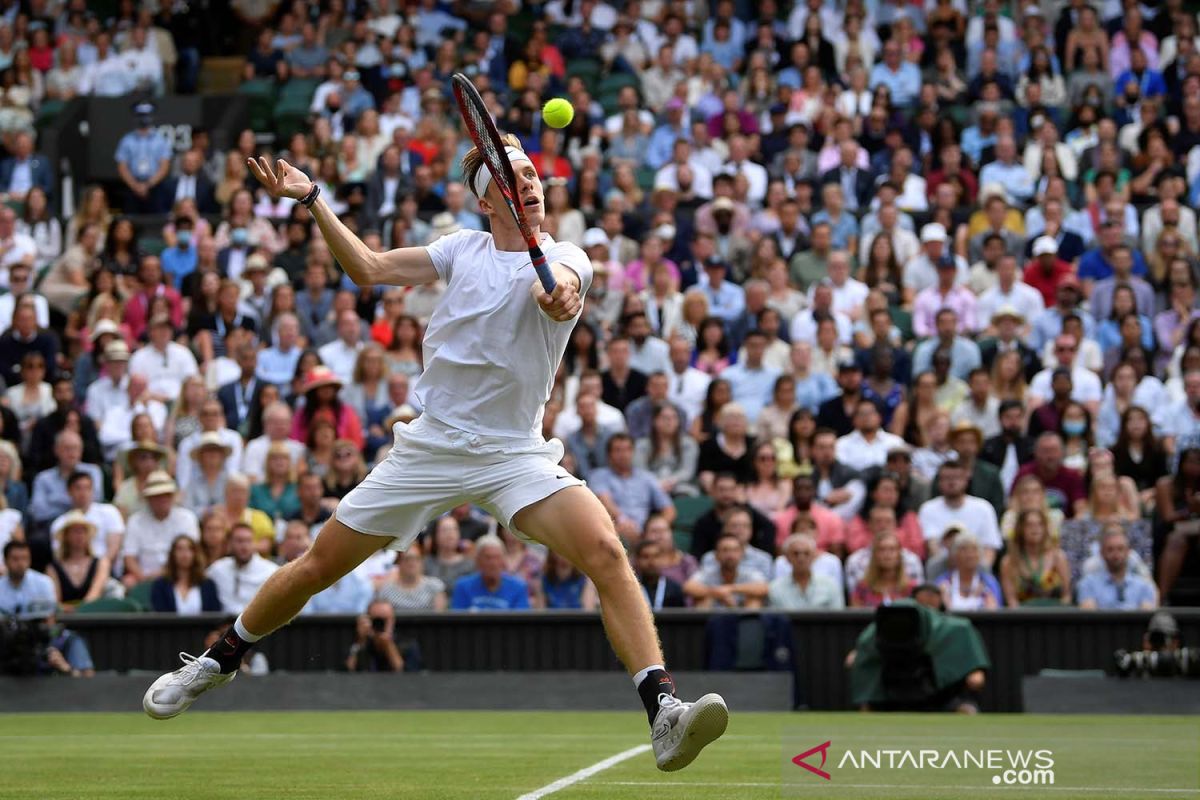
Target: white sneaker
x,y
171,694
681,730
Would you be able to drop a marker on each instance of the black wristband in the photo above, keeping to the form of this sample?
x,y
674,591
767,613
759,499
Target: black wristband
x,y
311,197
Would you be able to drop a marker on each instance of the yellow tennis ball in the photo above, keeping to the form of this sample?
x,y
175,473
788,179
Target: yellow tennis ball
x,y
558,113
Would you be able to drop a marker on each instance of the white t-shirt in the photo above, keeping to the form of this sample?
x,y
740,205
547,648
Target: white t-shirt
x,y
1085,386
975,514
490,354
237,585
148,539
165,371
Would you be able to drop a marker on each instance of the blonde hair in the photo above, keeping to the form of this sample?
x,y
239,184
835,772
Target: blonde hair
x,y
472,160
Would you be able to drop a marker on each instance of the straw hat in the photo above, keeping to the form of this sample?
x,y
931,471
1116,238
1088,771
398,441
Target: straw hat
x,y
72,518
159,482
154,448
210,440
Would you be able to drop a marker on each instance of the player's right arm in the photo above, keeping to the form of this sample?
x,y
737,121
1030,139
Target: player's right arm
x,y
404,266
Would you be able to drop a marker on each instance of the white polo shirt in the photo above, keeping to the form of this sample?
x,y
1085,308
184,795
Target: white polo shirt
x,y
237,584
165,371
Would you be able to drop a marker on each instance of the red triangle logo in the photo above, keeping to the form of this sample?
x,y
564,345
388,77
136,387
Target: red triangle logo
x,y
823,749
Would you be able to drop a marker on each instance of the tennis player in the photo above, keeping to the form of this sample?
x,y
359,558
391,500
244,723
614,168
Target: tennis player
x,y
491,350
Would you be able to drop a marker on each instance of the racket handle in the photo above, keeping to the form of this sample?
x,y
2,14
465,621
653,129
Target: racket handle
x,y
543,269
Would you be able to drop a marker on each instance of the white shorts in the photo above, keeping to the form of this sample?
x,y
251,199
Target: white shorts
x,y
432,468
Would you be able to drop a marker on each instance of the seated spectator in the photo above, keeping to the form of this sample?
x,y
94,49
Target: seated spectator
x,y
963,352
936,450
1063,485
628,493
676,565
1028,494
730,450
1177,500
727,582
151,531
276,424
24,590
206,488
885,493
212,429
20,290
885,579
767,493
239,575
589,443
829,526
868,444
565,587
320,389
407,588
668,453
25,337
30,399
752,381
347,471
165,363
955,505
728,493
183,588
846,490
1116,587
237,509
310,489
1035,570
490,588
447,560
966,586
277,363
374,648
277,495
739,523
50,497
803,589
78,574
661,591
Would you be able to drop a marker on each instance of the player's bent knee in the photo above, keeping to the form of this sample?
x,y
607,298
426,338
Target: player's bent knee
x,y
604,558
313,573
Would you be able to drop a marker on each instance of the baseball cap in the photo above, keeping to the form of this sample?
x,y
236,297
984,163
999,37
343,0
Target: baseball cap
x,y
933,232
593,237
1045,245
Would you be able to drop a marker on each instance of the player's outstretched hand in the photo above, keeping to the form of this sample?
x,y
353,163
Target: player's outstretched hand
x,y
560,305
280,180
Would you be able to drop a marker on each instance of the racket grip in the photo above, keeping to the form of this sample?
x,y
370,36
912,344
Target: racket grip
x,y
543,269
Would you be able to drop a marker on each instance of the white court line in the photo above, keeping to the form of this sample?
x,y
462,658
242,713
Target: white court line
x,y
585,773
839,785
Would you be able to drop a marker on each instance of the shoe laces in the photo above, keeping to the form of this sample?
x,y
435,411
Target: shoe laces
x,y
191,667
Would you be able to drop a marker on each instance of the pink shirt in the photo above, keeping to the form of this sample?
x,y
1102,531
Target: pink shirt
x,y
830,530
930,301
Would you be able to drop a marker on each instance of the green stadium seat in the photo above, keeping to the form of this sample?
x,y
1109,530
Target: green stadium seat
x,y
109,605
261,93
586,68
299,89
152,245
140,595
617,81
690,509
645,178
290,116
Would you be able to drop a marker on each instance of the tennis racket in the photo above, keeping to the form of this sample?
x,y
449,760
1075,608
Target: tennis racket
x,y
482,129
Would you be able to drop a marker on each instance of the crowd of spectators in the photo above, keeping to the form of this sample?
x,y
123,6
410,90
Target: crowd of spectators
x,y
884,294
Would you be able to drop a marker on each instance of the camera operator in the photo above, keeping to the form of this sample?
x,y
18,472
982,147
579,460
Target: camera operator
x,y
374,648
31,641
1162,655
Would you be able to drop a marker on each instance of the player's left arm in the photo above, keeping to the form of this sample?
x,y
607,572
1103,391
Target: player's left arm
x,y
565,302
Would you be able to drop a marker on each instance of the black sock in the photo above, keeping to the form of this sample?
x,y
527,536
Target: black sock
x,y
655,683
229,650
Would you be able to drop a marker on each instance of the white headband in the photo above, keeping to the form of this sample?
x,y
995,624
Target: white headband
x,y
484,176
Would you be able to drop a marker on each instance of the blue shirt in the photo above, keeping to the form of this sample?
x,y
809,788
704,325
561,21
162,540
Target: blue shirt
x,y
974,142
842,231
1049,324
1013,177
726,302
34,594
1094,266
350,595
815,389
636,494
471,595
752,388
904,85
142,152
50,498
278,367
1131,593
178,263
662,145
1151,82
964,357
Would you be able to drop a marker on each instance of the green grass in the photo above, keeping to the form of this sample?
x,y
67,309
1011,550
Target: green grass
x,y
500,756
